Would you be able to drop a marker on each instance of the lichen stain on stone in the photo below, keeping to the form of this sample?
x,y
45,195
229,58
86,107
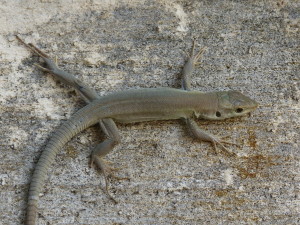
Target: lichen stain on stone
x,y
252,138
221,193
257,165
71,151
233,200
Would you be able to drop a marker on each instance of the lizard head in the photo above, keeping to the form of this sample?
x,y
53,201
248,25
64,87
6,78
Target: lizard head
x,y
233,104
230,104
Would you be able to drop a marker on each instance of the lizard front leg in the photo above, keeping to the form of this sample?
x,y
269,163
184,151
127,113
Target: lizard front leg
x,y
189,66
197,132
204,136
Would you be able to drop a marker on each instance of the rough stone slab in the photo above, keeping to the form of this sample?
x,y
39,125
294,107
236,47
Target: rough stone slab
x,y
253,46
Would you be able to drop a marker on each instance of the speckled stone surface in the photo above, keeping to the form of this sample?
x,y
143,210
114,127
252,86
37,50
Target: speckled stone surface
x,y
164,176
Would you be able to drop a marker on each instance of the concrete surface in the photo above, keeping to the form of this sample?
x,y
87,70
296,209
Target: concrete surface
x,y
253,46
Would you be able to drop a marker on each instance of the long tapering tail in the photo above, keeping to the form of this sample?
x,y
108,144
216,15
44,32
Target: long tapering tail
x,y
77,123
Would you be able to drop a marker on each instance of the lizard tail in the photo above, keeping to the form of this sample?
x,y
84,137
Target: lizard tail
x,y
69,129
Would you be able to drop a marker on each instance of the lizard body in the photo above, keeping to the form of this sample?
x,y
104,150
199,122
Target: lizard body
x,y
132,106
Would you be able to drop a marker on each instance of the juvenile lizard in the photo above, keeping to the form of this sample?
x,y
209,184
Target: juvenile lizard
x,y
137,105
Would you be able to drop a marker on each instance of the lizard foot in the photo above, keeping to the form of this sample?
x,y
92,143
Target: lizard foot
x,y
100,164
220,142
196,56
52,65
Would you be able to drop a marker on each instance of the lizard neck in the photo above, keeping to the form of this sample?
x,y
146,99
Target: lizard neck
x,y
202,103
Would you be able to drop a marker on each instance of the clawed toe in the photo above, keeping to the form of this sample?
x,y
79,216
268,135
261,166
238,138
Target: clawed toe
x,y
197,56
220,142
42,68
33,48
106,171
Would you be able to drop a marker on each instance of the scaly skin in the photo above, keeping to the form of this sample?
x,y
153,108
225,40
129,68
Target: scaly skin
x,y
132,106
128,106
68,130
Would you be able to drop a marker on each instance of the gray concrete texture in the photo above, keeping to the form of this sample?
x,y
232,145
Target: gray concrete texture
x,y
164,176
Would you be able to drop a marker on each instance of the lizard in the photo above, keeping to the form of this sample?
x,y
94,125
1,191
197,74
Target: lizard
x,y
135,105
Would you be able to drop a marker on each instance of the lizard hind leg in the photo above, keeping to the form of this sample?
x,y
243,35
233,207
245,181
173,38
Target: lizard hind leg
x,y
52,68
87,93
102,166
110,129
32,48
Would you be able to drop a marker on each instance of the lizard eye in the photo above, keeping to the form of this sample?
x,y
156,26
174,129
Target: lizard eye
x,y
239,110
218,114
